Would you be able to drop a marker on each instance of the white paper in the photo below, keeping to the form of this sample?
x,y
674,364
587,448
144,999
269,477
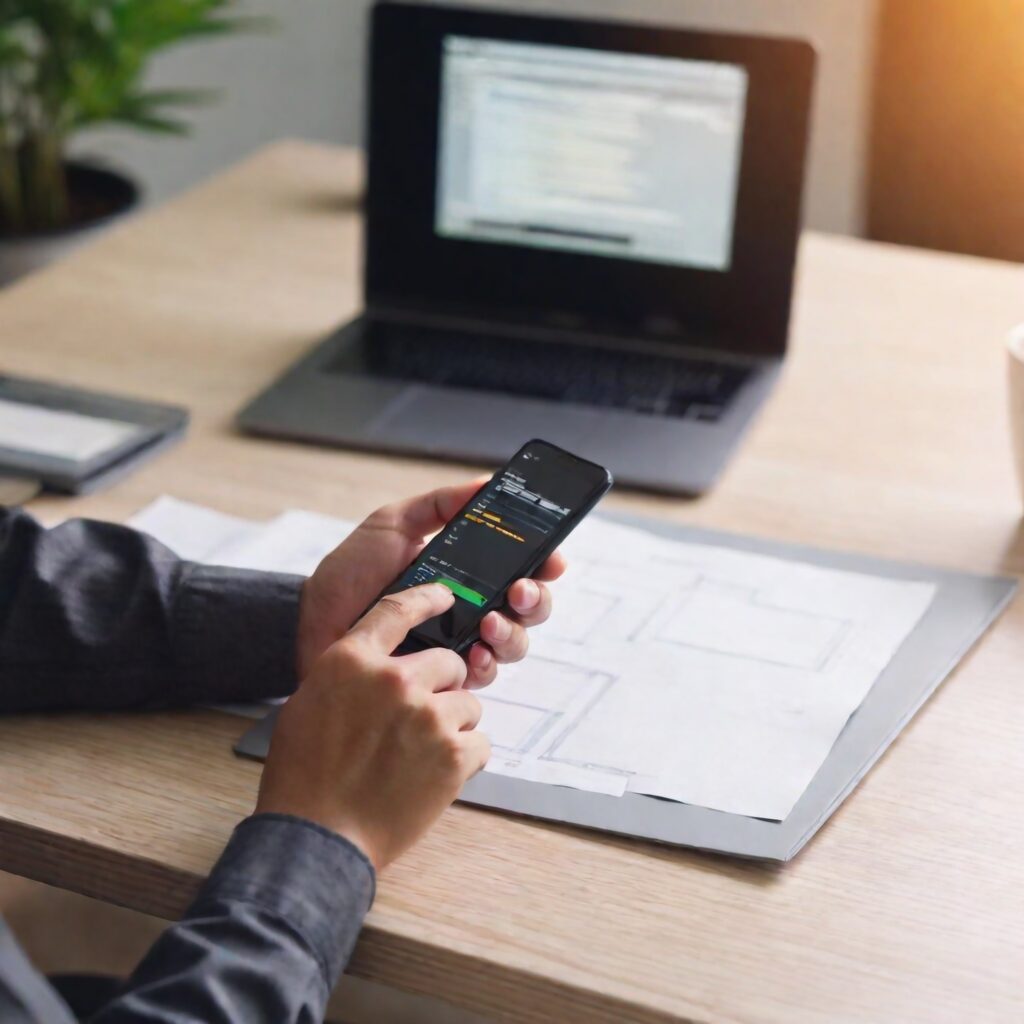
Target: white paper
x,y
696,673
294,542
700,674
60,434
192,531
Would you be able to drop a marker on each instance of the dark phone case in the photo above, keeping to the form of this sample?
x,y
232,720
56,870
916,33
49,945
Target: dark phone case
x,y
412,643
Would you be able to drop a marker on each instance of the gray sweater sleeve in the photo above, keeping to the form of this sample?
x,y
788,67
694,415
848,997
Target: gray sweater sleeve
x,y
265,940
94,615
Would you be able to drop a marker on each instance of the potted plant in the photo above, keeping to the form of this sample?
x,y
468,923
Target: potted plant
x,y
70,65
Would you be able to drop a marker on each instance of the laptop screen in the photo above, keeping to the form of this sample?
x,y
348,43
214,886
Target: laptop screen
x,y
623,155
605,179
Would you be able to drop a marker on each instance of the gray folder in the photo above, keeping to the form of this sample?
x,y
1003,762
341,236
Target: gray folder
x,y
964,606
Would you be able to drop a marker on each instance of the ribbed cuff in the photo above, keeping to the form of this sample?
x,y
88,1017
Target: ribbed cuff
x,y
320,884
235,632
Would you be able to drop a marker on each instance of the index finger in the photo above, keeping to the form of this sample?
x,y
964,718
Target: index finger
x,y
388,622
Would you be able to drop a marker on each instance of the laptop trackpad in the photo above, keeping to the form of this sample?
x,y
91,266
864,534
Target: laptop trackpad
x,y
477,424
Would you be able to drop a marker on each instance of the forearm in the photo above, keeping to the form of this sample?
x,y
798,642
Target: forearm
x,y
265,940
94,615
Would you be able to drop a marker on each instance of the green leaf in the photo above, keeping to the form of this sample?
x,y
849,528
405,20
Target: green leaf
x,y
71,64
150,123
179,97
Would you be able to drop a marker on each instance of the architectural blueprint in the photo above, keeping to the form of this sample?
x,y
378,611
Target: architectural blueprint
x,y
690,672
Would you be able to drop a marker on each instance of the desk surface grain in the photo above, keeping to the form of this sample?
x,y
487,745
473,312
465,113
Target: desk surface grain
x,y
887,435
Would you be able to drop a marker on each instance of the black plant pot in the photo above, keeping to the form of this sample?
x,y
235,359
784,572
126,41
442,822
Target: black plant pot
x,y
99,198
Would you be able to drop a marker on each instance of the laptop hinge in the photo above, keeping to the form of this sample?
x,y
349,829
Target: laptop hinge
x,y
684,348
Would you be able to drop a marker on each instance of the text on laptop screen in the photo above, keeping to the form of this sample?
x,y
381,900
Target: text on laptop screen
x,y
609,154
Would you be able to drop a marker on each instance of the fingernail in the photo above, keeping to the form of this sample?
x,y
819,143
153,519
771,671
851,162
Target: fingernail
x,y
482,658
502,628
529,595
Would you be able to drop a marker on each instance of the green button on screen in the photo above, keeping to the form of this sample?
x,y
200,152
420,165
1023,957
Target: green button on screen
x,y
464,592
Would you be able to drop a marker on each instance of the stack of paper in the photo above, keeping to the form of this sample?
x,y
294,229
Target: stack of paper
x,y
691,672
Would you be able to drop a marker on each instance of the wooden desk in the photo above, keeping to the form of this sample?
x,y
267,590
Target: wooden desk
x,y
887,435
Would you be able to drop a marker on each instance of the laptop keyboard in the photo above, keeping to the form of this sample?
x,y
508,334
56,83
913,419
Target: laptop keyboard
x,y
560,372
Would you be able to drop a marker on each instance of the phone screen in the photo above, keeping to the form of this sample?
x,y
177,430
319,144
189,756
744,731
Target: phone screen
x,y
533,502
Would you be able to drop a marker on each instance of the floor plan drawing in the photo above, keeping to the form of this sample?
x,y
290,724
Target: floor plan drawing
x,y
593,611
721,678
696,673
740,622
692,609
531,708
525,707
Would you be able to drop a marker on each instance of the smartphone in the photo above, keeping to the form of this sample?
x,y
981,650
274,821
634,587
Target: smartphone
x,y
508,529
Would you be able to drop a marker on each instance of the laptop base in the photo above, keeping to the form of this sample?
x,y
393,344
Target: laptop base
x,y
316,402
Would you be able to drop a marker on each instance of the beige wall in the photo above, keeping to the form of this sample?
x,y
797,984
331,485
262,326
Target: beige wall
x,y
305,79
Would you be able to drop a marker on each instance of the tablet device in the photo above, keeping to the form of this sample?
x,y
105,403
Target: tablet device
x,y
73,440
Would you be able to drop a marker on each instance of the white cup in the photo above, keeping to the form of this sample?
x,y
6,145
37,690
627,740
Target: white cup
x,y
1015,376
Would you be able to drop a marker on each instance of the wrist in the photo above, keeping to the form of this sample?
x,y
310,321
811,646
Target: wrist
x,y
325,818
301,641
309,644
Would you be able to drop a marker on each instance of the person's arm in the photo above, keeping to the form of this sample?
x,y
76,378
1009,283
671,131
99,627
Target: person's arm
x,y
365,757
265,940
94,615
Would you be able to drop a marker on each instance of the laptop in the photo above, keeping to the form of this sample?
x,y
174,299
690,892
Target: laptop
x,y
579,230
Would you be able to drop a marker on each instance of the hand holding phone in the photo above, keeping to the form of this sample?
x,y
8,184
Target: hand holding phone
x,y
353,750
505,532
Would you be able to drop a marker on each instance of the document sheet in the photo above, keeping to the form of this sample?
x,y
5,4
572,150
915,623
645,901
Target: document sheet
x,y
59,433
685,671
